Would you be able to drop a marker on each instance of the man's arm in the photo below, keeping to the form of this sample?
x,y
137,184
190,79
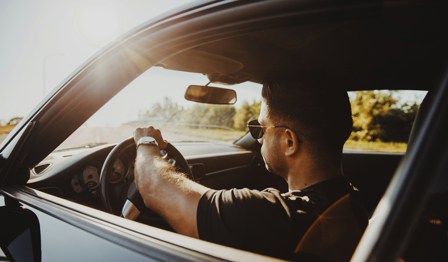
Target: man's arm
x,y
164,190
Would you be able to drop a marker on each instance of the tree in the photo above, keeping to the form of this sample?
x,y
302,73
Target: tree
x,y
210,115
377,116
245,113
14,121
396,124
166,110
219,116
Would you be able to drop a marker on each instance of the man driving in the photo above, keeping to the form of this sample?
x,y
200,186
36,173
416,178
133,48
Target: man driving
x,y
302,130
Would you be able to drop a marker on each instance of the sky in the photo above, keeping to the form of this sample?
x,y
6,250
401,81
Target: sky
x,y
44,41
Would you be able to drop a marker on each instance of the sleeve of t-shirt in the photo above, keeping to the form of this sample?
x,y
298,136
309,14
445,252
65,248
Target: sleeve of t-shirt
x,y
247,219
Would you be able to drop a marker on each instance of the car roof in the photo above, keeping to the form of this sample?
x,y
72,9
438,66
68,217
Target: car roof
x,y
386,45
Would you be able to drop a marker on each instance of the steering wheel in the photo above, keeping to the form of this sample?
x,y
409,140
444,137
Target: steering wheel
x,y
134,205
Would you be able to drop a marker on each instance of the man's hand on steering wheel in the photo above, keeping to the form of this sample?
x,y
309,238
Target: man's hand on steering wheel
x,y
166,189
164,183
134,205
150,132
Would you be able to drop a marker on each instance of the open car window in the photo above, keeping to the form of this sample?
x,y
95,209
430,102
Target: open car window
x,y
383,119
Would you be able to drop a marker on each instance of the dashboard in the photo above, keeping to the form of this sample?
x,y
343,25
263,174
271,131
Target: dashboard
x,y
75,174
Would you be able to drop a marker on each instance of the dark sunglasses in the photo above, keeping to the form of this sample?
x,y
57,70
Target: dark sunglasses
x,y
257,130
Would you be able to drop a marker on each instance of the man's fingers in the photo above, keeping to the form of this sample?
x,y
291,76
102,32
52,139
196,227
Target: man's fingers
x,y
152,132
159,138
138,133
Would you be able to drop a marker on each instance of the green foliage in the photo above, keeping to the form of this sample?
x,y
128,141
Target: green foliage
x,y
14,121
6,128
166,110
378,117
245,113
203,115
216,116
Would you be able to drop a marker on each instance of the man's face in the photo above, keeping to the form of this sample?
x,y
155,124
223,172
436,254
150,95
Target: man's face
x,y
270,143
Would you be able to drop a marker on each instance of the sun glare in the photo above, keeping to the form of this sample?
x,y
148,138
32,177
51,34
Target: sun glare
x,y
99,24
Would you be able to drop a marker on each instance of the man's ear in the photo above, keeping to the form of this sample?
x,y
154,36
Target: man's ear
x,y
292,142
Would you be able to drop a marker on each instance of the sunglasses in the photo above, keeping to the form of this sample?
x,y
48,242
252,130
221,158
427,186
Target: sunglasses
x,y
257,130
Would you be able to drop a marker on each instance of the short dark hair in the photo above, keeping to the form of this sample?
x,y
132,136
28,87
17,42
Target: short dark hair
x,y
315,106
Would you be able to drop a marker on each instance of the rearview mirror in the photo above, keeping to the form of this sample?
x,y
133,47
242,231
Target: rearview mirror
x,y
210,95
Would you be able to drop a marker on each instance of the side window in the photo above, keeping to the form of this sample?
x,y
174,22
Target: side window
x,y
382,119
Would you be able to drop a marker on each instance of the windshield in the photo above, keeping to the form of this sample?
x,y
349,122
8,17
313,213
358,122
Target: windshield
x,y
156,98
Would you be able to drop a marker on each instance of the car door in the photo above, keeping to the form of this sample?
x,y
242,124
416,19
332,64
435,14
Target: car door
x,y
416,198
73,232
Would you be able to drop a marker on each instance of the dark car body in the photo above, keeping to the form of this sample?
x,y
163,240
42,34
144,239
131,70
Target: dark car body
x,y
368,44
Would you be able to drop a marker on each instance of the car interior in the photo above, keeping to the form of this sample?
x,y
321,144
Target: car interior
x,y
366,50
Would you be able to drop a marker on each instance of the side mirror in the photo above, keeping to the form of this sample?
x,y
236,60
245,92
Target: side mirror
x,y
20,234
210,95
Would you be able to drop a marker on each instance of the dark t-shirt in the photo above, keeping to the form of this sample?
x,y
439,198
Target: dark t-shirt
x,y
268,222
